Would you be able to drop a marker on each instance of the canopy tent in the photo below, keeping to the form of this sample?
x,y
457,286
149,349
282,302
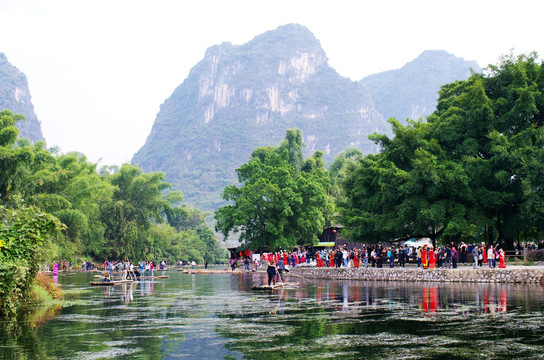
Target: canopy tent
x,y
324,244
418,242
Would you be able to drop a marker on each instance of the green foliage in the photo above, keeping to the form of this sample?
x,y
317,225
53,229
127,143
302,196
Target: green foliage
x,y
474,169
23,233
281,200
107,213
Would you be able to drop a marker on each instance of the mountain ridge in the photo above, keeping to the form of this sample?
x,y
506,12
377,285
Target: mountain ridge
x,y
239,97
412,90
15,96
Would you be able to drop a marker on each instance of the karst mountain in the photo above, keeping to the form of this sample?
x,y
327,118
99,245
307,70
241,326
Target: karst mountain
x,y
412,91
15,96
238,98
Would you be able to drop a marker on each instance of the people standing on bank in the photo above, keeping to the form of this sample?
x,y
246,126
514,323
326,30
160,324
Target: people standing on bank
x,y
424,260
432,258
402,257
490,256
338,258
496,253
454,256
351,256
345,256
463,253
355,258
476,256
502,265
448,258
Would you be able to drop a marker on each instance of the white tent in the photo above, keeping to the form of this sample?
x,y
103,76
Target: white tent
x,y
418,242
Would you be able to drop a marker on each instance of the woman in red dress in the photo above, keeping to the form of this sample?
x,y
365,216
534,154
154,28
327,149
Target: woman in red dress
x,y
502,265
424,260
331,259
432,258
320,262
355,259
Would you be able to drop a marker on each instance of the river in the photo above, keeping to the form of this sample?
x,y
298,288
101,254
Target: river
x,y
218,316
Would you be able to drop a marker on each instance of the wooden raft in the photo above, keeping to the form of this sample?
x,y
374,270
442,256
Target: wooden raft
x,y
109,283
277,286
102,283
203,271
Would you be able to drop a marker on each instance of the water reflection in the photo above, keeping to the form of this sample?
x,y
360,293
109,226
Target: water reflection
x,y
219,316
476,299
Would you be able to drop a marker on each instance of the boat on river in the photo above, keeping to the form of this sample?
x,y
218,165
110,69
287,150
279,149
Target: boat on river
x,y
109,283
276,286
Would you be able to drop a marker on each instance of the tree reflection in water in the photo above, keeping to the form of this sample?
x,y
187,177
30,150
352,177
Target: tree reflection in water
x,y
219,316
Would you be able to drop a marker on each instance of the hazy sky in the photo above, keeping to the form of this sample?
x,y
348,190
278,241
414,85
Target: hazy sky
x,y
99,70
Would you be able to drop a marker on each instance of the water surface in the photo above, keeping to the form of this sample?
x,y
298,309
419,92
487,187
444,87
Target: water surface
x,y
219,317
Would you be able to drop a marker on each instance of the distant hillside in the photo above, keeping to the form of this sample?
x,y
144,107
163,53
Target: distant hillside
x,y
15,96
241,97
412,91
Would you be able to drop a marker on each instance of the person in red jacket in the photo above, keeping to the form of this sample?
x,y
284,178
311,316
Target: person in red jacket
x,y
432,258
424,260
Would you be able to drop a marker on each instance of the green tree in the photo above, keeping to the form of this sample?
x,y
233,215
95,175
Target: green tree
x,y
69,187
24,233
408,190
492,124
281,200
471,170
136,204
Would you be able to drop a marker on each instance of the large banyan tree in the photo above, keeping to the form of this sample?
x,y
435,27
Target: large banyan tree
x,y
474,169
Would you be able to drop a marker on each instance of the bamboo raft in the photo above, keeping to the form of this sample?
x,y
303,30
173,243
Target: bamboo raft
x,y
102,283
277,286
153,277
109,283
203,271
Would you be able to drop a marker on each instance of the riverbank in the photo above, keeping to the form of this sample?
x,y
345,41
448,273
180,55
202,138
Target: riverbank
x,y
513,274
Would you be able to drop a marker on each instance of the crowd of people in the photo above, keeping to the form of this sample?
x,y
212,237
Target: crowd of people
x,y
426,256
378,256
129,271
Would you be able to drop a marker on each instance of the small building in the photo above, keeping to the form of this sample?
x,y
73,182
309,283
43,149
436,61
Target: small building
x,y
333,234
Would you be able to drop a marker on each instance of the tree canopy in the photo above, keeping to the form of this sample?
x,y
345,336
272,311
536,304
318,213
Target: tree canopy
x,y
281,200
109,213
474,169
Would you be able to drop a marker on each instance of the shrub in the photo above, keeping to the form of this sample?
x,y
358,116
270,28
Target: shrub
x,y
46,283
24,233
